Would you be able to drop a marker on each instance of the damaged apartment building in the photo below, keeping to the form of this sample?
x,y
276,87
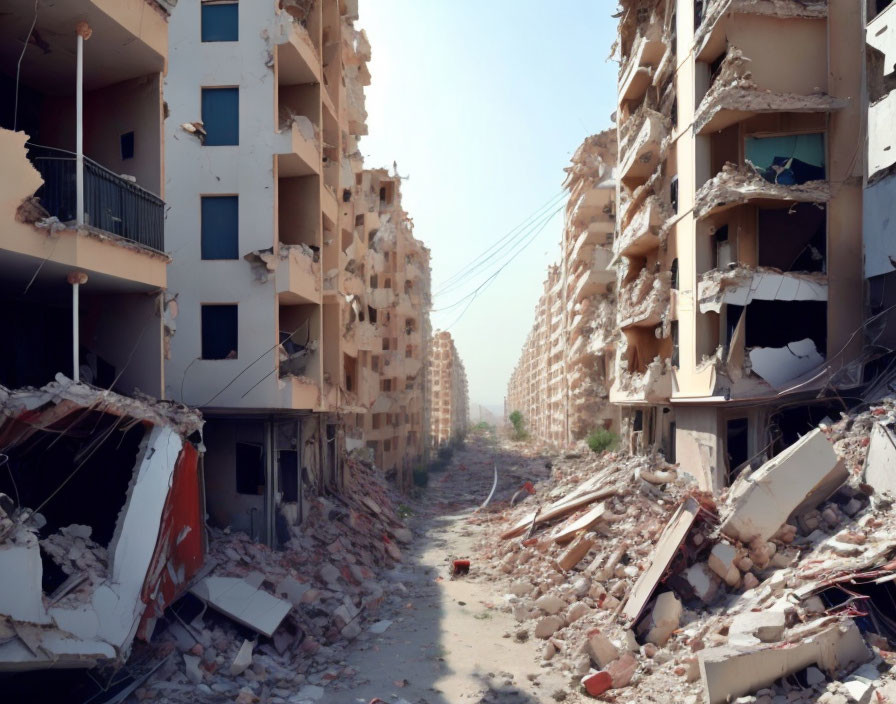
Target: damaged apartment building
x,y
562,380
300,288
448,391
395,346
740,299
100,520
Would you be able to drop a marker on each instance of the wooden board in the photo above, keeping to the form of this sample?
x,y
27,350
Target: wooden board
x,y
558,510
568,530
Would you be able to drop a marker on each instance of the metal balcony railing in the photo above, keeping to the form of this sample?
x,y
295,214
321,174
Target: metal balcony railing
x,y
111,203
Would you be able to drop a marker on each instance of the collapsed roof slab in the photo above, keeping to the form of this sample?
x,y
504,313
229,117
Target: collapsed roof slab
x,y
743,285
799,478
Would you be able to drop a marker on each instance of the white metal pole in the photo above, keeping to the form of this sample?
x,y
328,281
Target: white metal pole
x,y
76,278
79,140
76,362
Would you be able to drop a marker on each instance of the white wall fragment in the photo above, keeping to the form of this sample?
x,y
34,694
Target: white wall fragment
x,y
781,365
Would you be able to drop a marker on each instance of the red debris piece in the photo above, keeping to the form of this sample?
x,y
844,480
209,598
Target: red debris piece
x,y
461,567
530,487
598,683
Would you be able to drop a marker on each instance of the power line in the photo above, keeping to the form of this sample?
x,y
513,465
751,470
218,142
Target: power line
x,y
501,243
494,276
528,239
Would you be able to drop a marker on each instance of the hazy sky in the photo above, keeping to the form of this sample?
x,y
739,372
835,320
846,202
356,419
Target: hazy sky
x,y
482,103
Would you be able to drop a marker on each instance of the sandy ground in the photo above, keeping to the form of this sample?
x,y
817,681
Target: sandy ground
x,y
449,640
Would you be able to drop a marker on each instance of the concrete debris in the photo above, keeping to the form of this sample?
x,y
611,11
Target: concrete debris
x,y
798,479
686,596
780,366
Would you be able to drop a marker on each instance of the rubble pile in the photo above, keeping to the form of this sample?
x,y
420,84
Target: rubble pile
x,y
329,574
778,590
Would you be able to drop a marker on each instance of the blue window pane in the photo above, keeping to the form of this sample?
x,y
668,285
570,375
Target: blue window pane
x,y
220,230
221,116
220,23
219,332
789,159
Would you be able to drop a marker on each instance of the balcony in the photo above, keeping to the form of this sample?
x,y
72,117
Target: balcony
x,y
298,59
736,185
654,385
112,204
737,95
640,147
642,233
595,204
299,149
298,275
638,70
645,301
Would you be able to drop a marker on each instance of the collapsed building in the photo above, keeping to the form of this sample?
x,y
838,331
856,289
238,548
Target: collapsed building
x,y
561,383
448,391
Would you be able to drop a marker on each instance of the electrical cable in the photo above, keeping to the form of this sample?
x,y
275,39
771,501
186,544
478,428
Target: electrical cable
x,y
502,243
494,276
531,235
15,109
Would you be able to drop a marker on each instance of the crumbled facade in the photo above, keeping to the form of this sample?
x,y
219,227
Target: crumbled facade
x,y
739,192
448,391
561,382
397,276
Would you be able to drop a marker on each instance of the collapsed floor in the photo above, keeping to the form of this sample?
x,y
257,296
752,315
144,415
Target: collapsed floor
x,y
780,590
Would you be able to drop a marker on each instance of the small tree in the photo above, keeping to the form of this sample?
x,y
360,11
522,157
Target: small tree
x,y
601,439
519,425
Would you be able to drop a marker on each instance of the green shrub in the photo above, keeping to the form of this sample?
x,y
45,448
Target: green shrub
x,y
519,426
601,439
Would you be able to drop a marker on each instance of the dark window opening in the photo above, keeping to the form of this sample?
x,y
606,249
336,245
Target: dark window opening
x,y
220,22
127,145
371,236
219,227
777,323
675,360
673,193
221,116
371,314
722,249
638,421
383,194
249,468
716,66
737,443
359,220
104,449
793,239
732,318
288,478
219,331
674,272
699,10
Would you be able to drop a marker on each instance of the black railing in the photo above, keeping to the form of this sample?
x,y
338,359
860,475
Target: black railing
x,y
111,203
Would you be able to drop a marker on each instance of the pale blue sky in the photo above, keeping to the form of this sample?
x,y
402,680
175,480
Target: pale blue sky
x,y
482,103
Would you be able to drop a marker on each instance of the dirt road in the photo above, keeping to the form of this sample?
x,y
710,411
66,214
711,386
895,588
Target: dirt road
x,y
449,641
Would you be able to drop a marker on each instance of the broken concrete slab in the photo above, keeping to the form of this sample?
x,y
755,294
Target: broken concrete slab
x,y
666,547
666,616
600,648
880,462
730,672
799,478
754,627
243,658
780,366
243,603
